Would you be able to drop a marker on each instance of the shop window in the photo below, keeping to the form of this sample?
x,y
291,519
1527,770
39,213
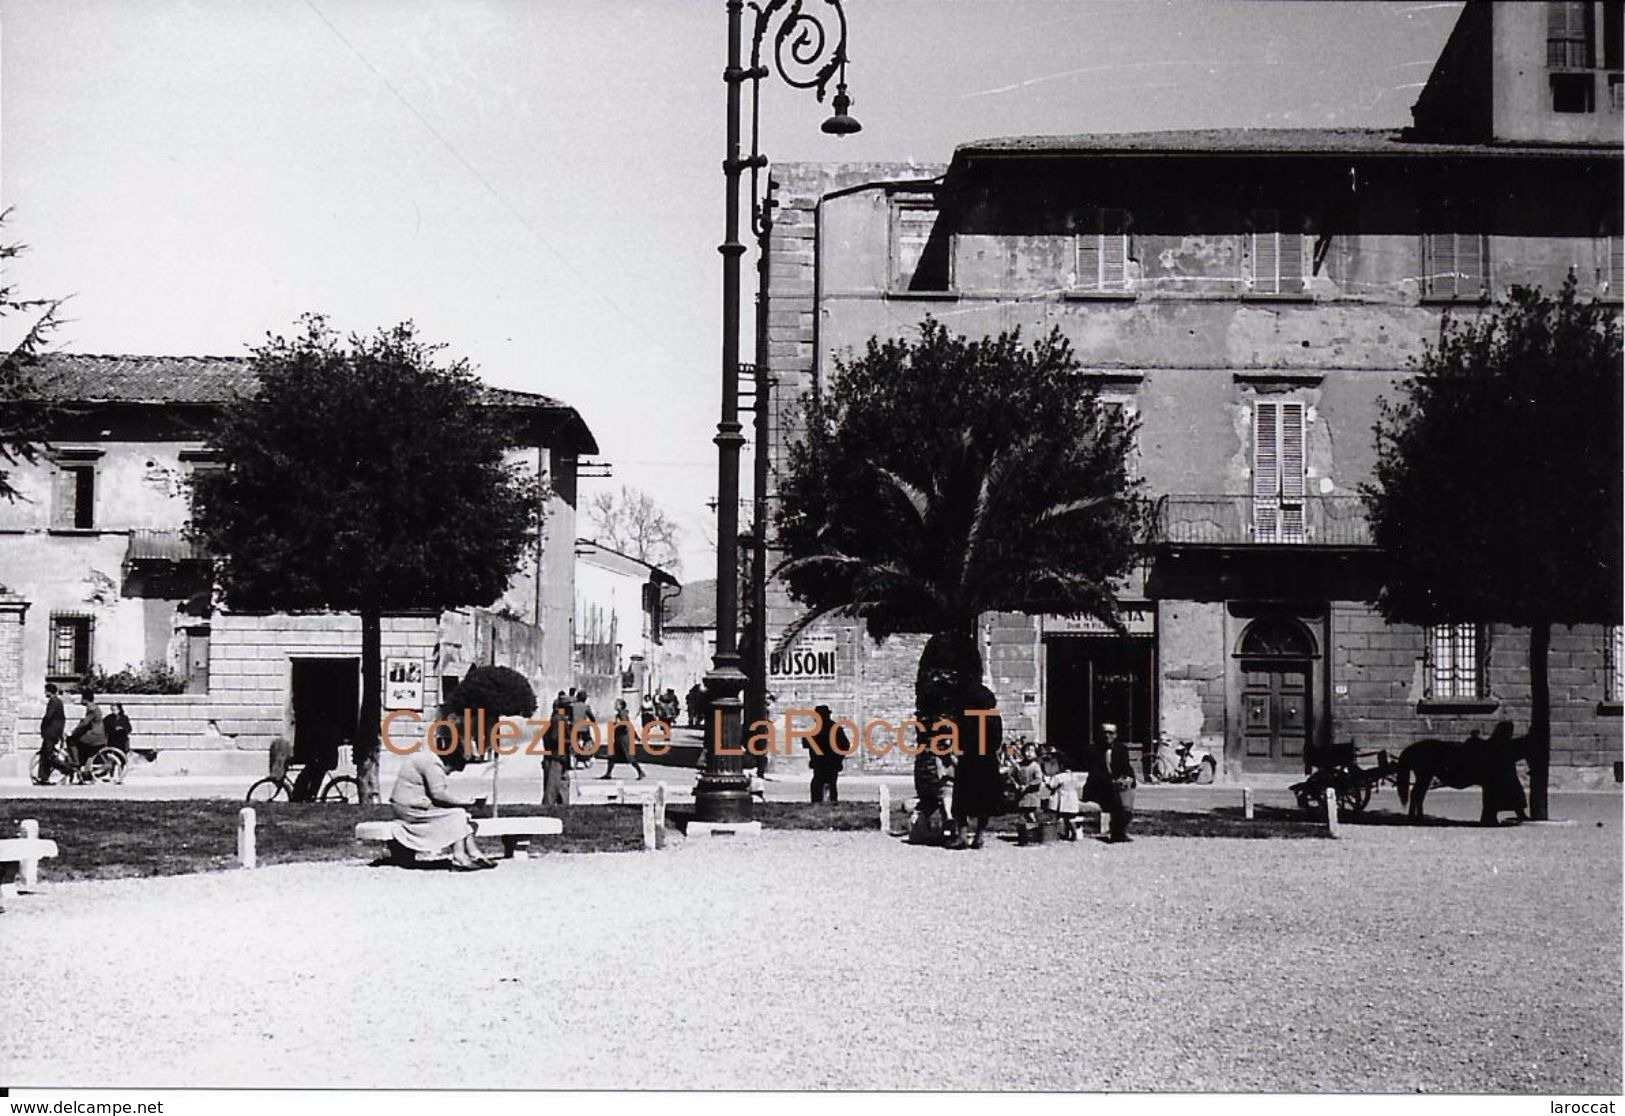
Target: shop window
x,y
1278,472
1102,250
1455,265
1455,662
73,495
68,656
1276,248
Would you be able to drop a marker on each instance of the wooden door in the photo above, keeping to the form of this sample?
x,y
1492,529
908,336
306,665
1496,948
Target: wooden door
x,y
1275,714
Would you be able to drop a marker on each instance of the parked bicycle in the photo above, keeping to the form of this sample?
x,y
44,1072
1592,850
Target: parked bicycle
x,y
279,788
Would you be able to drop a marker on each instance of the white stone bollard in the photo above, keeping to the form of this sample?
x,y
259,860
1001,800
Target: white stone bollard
x,y
28,870
885,808
1247,803
660,815
650,838
1331,813
245,837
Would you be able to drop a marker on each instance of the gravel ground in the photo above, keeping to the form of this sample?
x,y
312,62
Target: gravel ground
x,y
1397,959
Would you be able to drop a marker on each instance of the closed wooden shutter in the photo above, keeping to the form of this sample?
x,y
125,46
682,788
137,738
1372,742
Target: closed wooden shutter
x,y
1089,255
1266,252
1292,472
1266,472
64,494
1291,259
1113,250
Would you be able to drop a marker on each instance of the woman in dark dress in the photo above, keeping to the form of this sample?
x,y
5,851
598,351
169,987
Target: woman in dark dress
x,y
621,747
978,790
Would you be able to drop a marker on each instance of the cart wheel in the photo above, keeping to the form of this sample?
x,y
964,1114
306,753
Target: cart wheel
x,y
1206,772
342,789
267,790
106,766
1353,799
1160,771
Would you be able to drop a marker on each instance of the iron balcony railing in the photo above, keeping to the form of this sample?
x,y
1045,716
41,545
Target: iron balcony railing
x,y
1249,520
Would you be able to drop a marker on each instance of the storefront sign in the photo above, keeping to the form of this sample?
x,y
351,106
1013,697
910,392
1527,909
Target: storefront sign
x,y
403,684
812,658
1140,619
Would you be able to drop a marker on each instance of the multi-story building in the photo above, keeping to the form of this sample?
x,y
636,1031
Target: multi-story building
x,y
1250,296
95,572
619,636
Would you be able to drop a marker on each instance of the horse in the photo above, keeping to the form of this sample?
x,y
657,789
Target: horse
x,y
1474,762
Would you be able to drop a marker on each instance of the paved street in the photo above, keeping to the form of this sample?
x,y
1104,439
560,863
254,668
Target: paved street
x,y
1399,958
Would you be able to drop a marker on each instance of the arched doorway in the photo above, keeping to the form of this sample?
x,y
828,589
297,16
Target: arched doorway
x,y
1277,694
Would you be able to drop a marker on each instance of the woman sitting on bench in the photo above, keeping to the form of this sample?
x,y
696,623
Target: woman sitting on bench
x,y
429,816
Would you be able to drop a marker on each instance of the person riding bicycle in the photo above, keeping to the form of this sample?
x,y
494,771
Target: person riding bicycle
x,y
89,736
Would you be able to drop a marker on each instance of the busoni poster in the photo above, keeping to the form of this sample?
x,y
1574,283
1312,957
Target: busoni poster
x,y
811,658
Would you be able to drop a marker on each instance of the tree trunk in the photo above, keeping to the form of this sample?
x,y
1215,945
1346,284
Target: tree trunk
x,y
1540,718
365,744
950,667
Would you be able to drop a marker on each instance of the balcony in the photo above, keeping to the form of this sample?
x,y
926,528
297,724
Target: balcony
x,y
1325,521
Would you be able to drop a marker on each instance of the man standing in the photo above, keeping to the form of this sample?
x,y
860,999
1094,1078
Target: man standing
x,y
1111,781
51,727
829,746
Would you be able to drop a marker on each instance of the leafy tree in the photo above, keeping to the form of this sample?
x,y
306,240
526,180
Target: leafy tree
x,y
496,691
1496,495
941,478
22,429
631,522
365,477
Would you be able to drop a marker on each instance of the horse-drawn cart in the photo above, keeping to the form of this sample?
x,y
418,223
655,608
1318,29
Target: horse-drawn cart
x,y
1336,769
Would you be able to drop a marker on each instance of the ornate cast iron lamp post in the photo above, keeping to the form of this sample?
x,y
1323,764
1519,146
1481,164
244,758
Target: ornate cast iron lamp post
x,y
809,50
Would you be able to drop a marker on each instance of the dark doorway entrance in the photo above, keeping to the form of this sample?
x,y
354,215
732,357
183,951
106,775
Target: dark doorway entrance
x,y
1089,680
1277,695
326,692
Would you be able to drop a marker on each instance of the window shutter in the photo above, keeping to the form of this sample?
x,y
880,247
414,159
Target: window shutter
x,y
1089,256
1292,473
1113,250
1266,252
1470,265
1616,265
64,494
1266,472
1291,261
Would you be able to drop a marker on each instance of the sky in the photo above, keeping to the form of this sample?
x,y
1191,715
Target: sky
x,y
537,183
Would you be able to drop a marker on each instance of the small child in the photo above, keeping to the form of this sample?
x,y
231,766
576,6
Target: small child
x,y
1033,786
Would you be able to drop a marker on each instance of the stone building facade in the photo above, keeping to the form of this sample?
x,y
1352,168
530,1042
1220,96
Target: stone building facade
x,y
1250,297
96,573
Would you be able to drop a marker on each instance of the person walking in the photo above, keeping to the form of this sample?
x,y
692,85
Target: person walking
x,y
1503,790
51,727
696,705
1111,781
556,755
978,790
621,747
829,746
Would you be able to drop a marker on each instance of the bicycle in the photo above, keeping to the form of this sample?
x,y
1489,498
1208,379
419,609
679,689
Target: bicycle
x,y
105,765
273,788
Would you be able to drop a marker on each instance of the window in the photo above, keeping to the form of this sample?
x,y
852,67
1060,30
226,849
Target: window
x,y
1611,266
1120,409
1277,253
204,470
1102,250
1568,35
912,221
1455,663
68,656
1613,654
73,494
1573,93
1455,266
1278,472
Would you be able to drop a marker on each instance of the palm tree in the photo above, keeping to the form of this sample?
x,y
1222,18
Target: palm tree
x,y
942,478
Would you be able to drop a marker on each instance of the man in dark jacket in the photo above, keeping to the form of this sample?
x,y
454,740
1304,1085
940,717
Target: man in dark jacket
x,y
88,736
51,727
829,747
1111,781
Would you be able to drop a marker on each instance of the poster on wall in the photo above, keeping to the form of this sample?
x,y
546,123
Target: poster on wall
x,y
812,658
403,684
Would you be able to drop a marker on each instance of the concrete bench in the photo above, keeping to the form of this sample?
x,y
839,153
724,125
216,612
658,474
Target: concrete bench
x,y
514,831
20,857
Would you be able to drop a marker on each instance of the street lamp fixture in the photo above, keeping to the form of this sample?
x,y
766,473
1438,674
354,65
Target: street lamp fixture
x,y
808,51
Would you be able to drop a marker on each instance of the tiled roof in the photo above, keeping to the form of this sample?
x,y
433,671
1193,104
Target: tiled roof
x,y
203,380
95,378
1259,141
